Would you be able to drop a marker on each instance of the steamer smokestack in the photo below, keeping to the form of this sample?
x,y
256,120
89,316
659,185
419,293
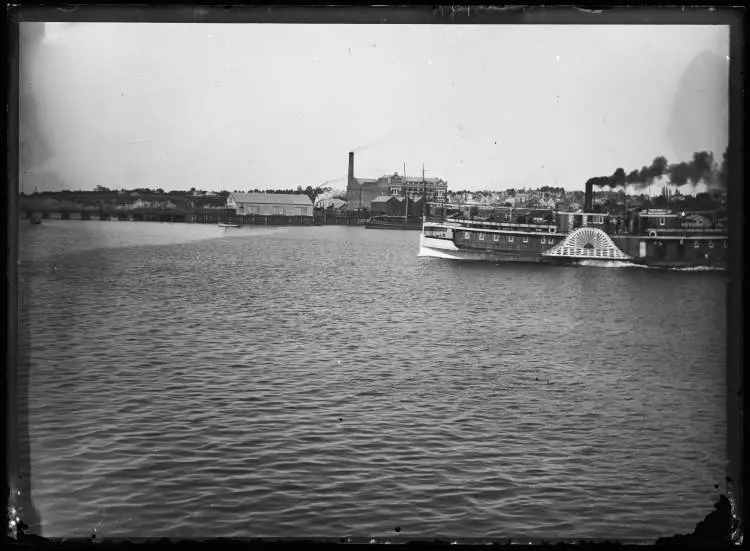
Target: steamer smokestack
x,y
588,199
350,179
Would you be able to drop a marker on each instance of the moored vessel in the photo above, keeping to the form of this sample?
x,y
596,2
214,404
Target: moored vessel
x,y
392,223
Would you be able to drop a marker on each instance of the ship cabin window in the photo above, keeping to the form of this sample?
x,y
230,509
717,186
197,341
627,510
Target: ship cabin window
x,y
525,239
662,221
481,237
510,239
466,235
710,244
496,237
725,243
696,244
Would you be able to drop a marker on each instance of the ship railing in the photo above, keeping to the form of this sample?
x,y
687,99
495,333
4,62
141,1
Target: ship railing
x,y
530,230
502,225
689,229
678,232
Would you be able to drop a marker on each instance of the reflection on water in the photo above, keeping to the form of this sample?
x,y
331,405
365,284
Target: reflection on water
x,y
187,380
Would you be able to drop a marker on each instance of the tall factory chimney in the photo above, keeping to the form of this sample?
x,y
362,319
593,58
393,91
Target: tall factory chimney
x,y
589,197
350,179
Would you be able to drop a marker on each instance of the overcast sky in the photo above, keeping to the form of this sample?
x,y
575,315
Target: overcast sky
x,y
276,106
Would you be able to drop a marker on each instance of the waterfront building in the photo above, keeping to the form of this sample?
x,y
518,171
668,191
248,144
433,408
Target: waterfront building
x,y
405,206
416,208
270,204
385,205
363,191
433,190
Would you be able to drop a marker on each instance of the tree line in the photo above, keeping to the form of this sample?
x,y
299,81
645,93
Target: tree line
x,y
313,192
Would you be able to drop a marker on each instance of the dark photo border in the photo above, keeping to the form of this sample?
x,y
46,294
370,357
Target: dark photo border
x,y
17,345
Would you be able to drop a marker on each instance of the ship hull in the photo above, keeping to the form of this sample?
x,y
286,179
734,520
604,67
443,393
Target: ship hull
x,y
436,247
445,248
391,225
701,251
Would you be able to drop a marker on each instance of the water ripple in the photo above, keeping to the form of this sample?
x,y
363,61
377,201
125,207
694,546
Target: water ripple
x,y
185,382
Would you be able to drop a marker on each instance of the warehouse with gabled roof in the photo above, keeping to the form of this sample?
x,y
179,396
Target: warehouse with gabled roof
x,y
270,204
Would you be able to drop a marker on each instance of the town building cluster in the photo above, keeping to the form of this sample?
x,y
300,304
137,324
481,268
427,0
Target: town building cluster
x,y
388,195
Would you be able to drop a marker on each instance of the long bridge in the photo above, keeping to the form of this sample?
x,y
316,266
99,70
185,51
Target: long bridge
x,y
207,216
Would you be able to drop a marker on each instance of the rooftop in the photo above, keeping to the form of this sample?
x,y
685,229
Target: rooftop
x,y
426,180
414,179
382,198
272,198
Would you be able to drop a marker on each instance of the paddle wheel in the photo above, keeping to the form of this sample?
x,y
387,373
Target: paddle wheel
x,y
587,243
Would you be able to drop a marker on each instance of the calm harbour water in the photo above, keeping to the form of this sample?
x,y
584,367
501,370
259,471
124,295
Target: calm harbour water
x,y
190,381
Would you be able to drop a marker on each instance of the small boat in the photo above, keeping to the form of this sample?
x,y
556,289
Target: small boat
x,y
229,224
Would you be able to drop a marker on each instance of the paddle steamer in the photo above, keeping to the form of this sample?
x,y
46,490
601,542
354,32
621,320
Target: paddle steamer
x,y
660,238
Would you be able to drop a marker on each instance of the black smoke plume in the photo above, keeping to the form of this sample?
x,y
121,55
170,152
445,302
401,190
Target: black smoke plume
x,y
643,174
633,177
619,177
658,168
601,181
702,168
679,173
